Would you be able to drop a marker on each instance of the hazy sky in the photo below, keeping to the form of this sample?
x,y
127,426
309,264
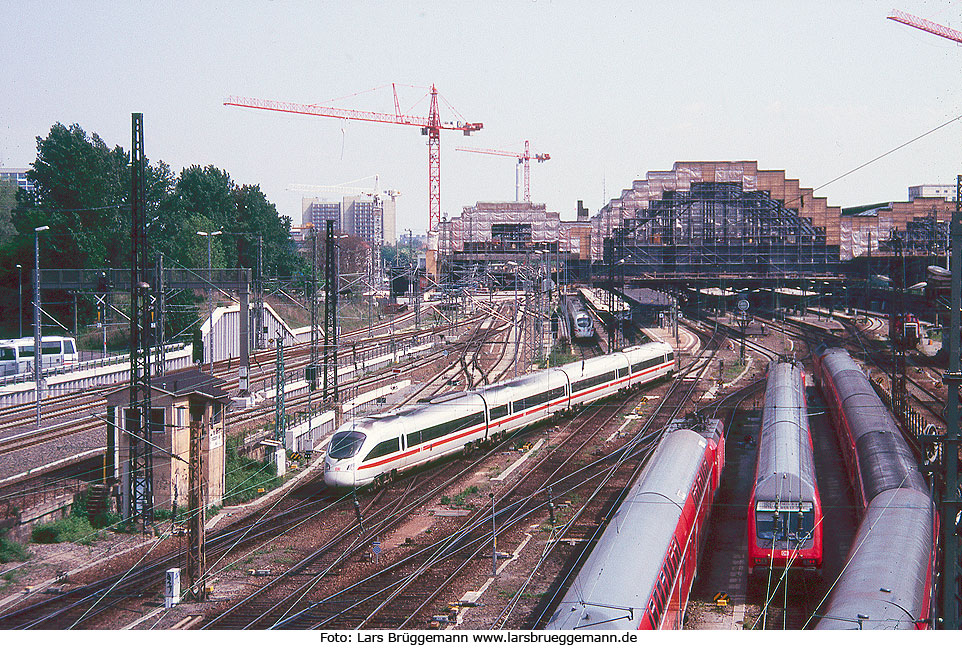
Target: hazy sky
x,y
611,90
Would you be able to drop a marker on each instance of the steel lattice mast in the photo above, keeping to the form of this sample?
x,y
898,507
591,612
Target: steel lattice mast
x,y
139,487
951,502
431,127
523,157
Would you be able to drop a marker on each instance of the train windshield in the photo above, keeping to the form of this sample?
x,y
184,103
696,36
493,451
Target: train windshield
x,y
345,445
584,322
785,521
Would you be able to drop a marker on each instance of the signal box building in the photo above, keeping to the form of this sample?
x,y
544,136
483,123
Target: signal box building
x,y
177,401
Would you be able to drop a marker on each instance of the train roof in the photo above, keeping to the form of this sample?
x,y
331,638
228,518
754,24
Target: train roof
x,y
621,572
786,464
883,583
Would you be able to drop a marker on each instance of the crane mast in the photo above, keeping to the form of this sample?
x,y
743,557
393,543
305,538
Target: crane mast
x,y
524,158
431,126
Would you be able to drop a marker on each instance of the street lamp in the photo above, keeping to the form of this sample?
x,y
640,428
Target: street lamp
x,y
37,351
20,294
210,305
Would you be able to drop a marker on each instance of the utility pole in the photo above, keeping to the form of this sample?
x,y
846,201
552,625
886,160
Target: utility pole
x,y
951,504
312,367
37,316
330,316
158,316
280,420
197,502
139,502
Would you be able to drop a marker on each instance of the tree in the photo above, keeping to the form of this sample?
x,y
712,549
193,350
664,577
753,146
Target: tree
x,y
81,189
8,201
256,215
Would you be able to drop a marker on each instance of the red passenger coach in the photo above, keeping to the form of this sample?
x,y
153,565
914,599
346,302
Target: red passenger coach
x,y
640,573
785,511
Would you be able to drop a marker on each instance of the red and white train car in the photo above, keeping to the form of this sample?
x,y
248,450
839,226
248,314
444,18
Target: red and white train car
x,y
785,510
639,574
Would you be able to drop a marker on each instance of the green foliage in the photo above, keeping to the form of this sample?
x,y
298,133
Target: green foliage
x,y
11,550
8,201
460,498
73,528
82,189
246,475
559,355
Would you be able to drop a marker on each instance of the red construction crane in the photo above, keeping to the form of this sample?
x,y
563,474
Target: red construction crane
x,y
431,127
523,157
925,25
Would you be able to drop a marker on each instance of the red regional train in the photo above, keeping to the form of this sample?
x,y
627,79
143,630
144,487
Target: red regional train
x,y
887,579
785,510
639,574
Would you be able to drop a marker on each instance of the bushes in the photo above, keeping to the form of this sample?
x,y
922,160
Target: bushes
x,y
245,476
73,528
11,550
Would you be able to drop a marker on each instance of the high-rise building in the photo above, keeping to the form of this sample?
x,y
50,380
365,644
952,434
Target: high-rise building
x,y
317,211
17,175
372,218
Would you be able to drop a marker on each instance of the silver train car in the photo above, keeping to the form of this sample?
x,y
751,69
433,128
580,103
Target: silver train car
x,y
639,574
886,582
785,510
579,321
375,449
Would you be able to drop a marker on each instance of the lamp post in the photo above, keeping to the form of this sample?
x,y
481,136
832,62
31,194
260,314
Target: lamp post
x,y
37,351
20,294
210,304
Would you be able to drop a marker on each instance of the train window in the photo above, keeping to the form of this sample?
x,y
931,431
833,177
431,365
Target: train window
x,y
670,356
345,445
784,521
414,438
50,348
499,411
384,448
8,354
26,351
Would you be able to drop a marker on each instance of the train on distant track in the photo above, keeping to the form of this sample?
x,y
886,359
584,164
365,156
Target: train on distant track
x,y
17,355
579,320
785,510
639,574
887,580
375,449
905,330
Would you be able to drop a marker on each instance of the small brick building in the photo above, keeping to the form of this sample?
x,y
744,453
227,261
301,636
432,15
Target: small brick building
x,y
177,400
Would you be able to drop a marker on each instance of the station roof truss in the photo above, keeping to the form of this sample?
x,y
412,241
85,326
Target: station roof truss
x,y
718,227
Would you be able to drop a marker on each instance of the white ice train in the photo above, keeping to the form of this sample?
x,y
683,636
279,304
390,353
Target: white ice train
x,y
17,355
579,320
378,448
